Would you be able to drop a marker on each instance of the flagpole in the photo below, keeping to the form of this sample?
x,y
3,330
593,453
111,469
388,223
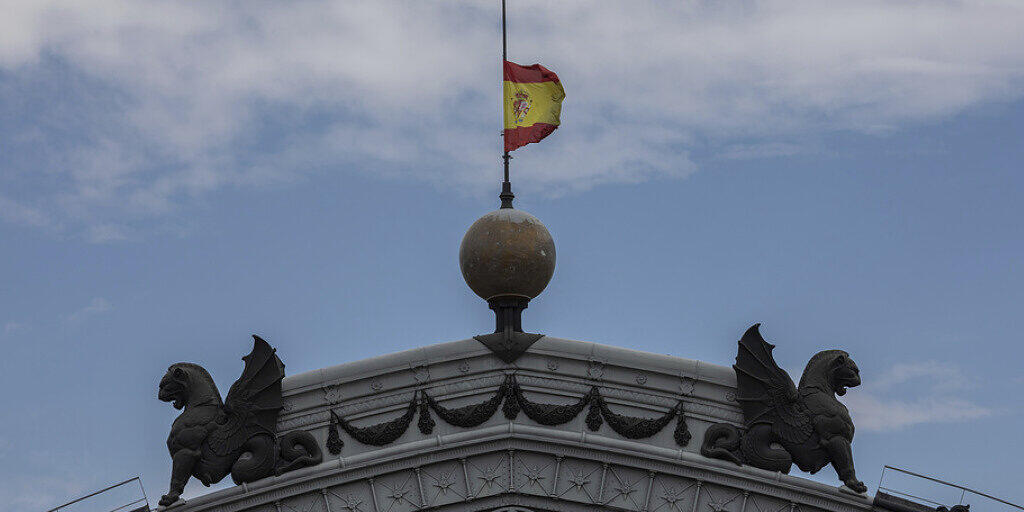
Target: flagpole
x,y
506,195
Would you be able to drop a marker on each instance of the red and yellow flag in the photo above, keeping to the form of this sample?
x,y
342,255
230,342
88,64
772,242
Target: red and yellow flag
x,y
533,103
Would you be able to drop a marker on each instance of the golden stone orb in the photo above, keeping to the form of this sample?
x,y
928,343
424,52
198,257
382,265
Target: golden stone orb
x,y
507,253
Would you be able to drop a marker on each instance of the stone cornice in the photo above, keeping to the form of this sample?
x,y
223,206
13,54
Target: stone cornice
x,y
537,442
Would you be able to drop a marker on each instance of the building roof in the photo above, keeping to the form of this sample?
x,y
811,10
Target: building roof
x,y
636,447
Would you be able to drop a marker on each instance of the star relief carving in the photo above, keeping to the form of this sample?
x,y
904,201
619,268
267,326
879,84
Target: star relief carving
x,y
672,496
445,482
718,505
533,475
626,489
578,480
489,477
397,494
351,503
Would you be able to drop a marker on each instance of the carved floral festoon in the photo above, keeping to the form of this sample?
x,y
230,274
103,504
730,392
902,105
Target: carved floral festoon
x,y
510,398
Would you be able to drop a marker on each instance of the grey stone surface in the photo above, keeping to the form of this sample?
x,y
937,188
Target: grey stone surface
x,y
520,465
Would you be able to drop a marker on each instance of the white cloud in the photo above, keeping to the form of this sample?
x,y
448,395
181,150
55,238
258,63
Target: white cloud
x,y
885,403
941,376
96,306
174,100
880,414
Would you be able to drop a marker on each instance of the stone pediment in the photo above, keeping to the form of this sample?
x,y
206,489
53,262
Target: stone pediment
x,y
606,453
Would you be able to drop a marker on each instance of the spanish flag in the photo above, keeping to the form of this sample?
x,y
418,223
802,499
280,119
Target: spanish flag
x,y
533,102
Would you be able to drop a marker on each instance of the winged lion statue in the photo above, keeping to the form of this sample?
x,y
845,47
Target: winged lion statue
x,y
212,438
785,423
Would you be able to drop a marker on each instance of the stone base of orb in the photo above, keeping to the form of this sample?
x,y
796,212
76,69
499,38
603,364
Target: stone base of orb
x,y
508,341
508,346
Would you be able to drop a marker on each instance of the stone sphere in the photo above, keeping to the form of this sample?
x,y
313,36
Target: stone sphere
x,y
507,252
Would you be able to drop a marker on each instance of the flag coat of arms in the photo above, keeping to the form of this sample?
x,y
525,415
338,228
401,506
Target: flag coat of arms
x,y
532,103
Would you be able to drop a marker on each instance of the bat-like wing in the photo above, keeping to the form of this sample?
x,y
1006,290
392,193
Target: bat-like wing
x,y
257,393
253,402
766,393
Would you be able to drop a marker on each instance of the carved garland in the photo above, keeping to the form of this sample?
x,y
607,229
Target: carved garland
x,y
515,401
375,435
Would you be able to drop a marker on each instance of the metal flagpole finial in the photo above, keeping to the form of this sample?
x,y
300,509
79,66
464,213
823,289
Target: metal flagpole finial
x,y
506,195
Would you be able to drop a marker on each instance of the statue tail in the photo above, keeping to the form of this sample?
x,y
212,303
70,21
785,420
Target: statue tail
x,y
757,450
722,441
298,449
259,463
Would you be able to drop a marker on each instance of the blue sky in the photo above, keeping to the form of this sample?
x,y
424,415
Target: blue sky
x,y
176,176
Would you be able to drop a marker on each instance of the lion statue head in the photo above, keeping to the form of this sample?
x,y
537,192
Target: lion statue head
x,y
184,383
831,370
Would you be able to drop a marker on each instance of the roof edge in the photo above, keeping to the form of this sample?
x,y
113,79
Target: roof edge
x,y
547,346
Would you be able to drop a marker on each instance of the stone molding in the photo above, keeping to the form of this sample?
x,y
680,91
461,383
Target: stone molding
x,y
568,477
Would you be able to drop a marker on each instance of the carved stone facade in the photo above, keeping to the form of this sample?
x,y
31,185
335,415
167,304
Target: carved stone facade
x,y
519,464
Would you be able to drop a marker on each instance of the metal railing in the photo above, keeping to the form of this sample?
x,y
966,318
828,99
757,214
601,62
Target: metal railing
x,y
963,490
141,504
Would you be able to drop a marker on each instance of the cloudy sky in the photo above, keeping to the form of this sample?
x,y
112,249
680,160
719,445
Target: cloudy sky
x,y
177,175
